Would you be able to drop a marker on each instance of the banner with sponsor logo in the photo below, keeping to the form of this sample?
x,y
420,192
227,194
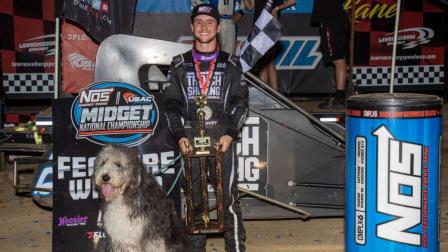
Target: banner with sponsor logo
x,y
420,59
102,18
103,113
78,58
27,48
299,63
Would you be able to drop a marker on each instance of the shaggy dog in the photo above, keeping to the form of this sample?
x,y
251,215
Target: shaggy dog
x,y
137,214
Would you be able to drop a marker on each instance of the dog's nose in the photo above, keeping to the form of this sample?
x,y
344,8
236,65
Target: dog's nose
x,y
105,178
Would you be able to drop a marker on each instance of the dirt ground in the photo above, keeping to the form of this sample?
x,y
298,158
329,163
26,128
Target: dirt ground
x,y
26,227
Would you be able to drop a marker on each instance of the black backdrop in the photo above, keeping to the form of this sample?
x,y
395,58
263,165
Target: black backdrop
x,y
76,218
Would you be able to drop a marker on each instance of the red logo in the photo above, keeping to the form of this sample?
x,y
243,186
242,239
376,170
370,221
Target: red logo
x,y
128,97
92,235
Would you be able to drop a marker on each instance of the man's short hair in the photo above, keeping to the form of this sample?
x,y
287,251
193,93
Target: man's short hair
x,y
205,9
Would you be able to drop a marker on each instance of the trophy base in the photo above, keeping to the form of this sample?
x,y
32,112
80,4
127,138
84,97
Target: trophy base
x,y
212,228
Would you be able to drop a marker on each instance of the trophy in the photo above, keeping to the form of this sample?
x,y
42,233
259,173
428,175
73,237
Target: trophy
x,y
202,150
202,142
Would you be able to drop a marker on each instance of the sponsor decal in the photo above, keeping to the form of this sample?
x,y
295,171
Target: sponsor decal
x,y
77,37
360,190
96,235
113,112
214,90
42,44
78,60
402,170
409,38
298,52
205,9
72,221
252,155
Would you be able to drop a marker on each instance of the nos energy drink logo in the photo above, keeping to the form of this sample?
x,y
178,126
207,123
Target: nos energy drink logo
x,y
399,188
113,112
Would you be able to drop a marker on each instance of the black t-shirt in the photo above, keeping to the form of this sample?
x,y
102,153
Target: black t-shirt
x,y
259,6
330,13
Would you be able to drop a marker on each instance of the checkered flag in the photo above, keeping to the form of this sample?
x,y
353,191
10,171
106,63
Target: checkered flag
x,y
265,33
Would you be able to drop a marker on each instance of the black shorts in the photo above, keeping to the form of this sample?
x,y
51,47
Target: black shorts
x,y
334,44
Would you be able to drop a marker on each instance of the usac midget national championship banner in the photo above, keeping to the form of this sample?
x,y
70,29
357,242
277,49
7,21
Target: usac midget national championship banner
x,y
103,113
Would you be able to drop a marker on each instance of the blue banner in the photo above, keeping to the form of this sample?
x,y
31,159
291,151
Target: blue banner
x,y
302,6
165,6
170,6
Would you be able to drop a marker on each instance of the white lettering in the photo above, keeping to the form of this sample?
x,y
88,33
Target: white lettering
x,y
398,187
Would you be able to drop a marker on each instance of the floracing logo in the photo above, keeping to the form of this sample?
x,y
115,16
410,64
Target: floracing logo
x,y
114,112
43,44
72,221
96,235
80,61
77,37
409,38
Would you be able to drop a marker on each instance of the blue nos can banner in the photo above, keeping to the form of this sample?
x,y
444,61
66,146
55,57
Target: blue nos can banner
x,y
392,180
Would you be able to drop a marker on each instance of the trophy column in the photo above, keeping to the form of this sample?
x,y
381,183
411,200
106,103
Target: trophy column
x,y
202,150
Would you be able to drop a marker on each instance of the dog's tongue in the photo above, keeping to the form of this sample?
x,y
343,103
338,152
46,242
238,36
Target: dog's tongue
x,y
107,191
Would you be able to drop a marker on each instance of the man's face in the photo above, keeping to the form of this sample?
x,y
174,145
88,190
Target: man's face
x,y
205,28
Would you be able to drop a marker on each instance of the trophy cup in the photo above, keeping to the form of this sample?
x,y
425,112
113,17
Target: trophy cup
x,y
202,150
202,142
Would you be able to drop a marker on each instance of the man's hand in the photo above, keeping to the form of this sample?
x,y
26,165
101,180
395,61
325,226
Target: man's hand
x,y
274,12
225,142
236,18
185,146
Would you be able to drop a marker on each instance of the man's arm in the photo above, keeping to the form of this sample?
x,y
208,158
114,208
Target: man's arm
x,y
284,5
246,6
249,5
173,106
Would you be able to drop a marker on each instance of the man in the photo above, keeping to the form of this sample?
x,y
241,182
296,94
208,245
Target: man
x,y
231,12
334,26
209,71
265,66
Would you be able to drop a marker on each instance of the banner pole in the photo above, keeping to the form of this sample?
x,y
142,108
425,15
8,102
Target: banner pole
x,y
56,59
350,84
394,48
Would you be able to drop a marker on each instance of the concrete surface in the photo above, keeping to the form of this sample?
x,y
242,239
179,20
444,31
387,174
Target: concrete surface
x,y
26,227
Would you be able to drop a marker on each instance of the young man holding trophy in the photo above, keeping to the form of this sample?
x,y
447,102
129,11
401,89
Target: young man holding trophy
x,y
206,105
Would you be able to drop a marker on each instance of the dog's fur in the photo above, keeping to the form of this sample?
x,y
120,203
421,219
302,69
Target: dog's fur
x,y
137,214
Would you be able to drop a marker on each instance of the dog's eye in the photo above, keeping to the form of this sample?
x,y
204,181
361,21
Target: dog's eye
x,y
104,161
117,164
